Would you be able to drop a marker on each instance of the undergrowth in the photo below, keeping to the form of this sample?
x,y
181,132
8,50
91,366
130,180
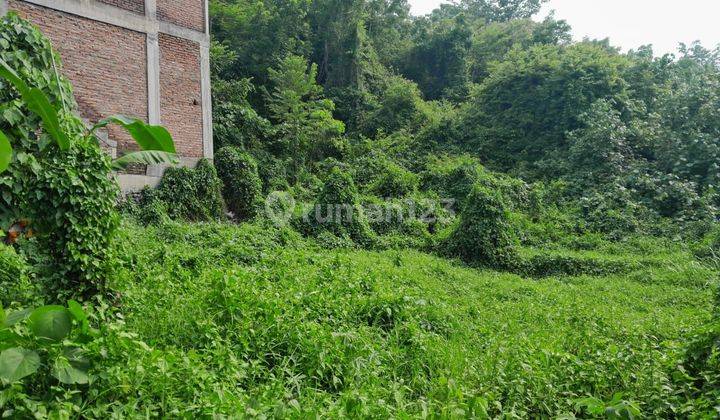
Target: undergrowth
x,y
252,320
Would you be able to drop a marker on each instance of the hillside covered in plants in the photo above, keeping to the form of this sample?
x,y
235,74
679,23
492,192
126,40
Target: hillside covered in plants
x,y
460,215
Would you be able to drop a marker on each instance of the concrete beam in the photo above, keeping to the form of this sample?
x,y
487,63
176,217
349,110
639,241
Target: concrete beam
x,y
101,12
206,101
132,183
185,33
158,170
116,16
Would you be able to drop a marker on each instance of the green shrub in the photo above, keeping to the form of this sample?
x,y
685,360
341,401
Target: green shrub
x,y
191,194
702,365
273,171
671,196
12,266
546,265
242,188
69,196
44,349
15,285
395,181
338,210
612,212
709,248
454,177
483,234
417,215
153,211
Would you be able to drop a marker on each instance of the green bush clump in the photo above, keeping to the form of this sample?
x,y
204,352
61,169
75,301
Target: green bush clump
x,y
702,366
67,195
152,211
418,214
611,212
483,235
242,187
191,194
394,181
15,283
548,264
709,248
338,210
452,177
12,266
455,176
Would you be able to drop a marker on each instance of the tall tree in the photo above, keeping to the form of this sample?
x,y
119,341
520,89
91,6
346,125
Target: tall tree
x,y
518,118
260,32
438,62
502,10
304,118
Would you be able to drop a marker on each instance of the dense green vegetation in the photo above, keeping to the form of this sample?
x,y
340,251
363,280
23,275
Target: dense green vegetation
x,y
257,321
461,215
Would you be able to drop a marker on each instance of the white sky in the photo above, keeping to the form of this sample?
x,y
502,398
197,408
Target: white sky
x,y
631,23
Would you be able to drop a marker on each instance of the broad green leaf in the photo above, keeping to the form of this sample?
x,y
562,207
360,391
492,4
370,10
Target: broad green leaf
x,y
148,157
38,103
72,367
6,152
13,318
17,363
148,137
9,74
3,316
51,322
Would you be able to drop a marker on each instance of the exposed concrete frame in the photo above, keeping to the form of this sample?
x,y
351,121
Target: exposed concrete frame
x,y
153,66
151,27
208,136
206,101
153,78
116,16
151,9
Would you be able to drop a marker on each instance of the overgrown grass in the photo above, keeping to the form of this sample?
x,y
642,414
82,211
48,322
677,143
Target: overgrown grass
x,y
257,321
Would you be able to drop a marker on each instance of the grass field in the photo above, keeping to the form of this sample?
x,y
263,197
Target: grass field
x,y
258,321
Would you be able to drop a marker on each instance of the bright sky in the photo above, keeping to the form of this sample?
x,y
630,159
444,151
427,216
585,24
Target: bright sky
x,y
631,23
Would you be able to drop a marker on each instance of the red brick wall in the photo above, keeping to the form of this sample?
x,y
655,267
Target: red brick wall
x,y
187,13
137,6
180,93
105,63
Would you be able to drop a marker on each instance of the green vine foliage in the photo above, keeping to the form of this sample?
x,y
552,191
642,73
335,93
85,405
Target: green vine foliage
x,y
191,194
67,197
338,212
483,235
242,187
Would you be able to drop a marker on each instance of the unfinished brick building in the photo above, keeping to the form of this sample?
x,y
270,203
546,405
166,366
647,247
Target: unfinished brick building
x,y
143,58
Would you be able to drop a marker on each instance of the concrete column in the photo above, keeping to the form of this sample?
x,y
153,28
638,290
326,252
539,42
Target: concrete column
x,y
153,78
207,17
151,9
3,7
206,100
